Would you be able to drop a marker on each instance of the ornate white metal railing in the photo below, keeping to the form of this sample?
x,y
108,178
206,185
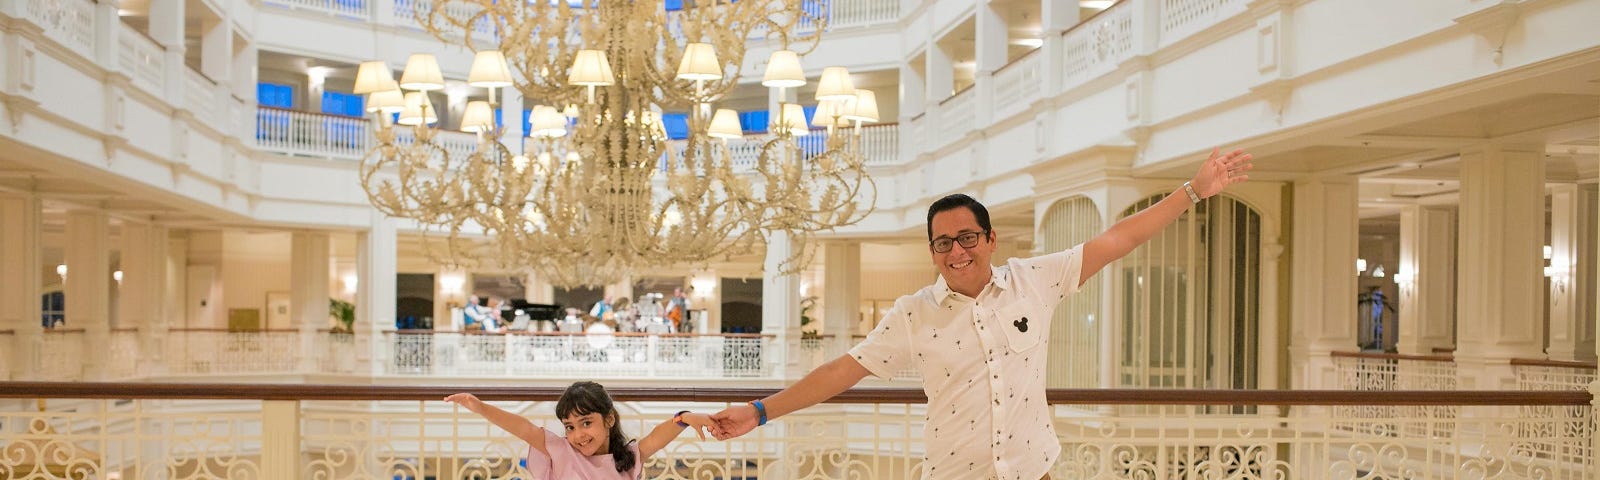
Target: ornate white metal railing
x,y
861,13
879,145
1554,376
1388,372
341,431
1097,45
1017,84
202,351
142,59
59,355
1181,18
426,352
412,13
313,134
338,352
70,22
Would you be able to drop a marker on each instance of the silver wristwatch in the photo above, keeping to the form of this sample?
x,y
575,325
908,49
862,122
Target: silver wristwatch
x,y
1193,197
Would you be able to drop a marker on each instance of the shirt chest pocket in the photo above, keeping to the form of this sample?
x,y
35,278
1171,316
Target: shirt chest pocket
x,y
1023,331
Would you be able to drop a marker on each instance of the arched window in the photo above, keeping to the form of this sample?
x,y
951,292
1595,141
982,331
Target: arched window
x,y
1189,300
1075,330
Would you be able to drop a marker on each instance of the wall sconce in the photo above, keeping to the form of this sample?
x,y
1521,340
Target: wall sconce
x,y
1404,278
61,270
350,282
1361,266
1558,280
1377,272
703,287
117,275
1548,252
451,284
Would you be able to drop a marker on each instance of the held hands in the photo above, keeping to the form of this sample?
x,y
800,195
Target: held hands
x,y
466,400
1220,171
735,421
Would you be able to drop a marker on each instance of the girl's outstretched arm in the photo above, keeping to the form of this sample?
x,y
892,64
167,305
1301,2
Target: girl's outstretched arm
x,y
667,431
510,422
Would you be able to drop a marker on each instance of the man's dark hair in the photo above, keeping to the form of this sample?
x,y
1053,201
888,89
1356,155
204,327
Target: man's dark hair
x,y
959,200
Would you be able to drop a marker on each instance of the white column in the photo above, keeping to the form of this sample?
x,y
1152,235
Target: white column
x,y
1323,278
705,289
1427,279
316,84
216,51
841,292
308,292
141,297
166,28
19,283
1500,264
941,75
88,286
991,44
511,117
1572,272
375,296
1055,17
108,28
780,305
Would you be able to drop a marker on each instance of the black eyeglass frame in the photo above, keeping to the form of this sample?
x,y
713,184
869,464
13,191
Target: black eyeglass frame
x,y
950,243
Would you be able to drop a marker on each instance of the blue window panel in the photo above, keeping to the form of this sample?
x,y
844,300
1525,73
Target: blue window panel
x,y
346,104
756,121
676,124
274,95
497,119
526,125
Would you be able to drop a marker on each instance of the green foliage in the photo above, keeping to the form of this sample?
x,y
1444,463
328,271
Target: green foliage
x,y
345,312
806,304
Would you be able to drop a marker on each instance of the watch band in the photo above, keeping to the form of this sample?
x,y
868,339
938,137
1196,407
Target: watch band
x,y
1188,189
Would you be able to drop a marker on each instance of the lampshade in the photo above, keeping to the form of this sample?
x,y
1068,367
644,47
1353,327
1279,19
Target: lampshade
x,y
864,108
794,120
825,113
835,85
699,63
374,77
546,121
386,101
725,124
418,110
783,70
478,117
590,68
422,73
489,70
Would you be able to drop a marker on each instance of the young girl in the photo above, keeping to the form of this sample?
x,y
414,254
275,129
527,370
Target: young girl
x,y
594,447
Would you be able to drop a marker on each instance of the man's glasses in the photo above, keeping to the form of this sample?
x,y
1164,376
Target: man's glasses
x,y
967,240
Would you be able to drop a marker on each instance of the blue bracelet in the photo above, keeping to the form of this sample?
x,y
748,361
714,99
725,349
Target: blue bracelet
x,y
761,409
678,419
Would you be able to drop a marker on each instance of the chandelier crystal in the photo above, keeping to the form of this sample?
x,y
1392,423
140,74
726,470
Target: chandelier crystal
x,y
598,191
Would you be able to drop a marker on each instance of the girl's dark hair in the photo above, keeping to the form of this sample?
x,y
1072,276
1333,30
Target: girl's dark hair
x,y
583,398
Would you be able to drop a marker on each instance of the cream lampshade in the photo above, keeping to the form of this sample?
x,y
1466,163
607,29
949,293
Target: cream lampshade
x,y
590,68
864,108
422,73
478,117
835,85
386,101
725,124
489,70
373,77
794,120
783,71
699,63
418,110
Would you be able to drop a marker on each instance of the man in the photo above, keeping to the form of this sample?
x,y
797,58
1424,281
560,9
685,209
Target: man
x,y
473,314
979,336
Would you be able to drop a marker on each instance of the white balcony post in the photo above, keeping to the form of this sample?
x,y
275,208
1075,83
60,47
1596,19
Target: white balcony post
x,y
1323,277
141,294
992,41
108,32
841,294
216,51
1500,285
940,76
308,294
88,286
375,297
166,28
1572,272
511,118
780,306
280,439
19,282
1426,276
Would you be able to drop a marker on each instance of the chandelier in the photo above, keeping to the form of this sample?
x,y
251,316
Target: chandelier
x,y
599,191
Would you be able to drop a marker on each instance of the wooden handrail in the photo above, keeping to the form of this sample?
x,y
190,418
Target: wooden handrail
x,y
314,114
1123,396
225,330
1018,59
1394,356
8,332
1091,18
957,94
424,331
63,330
1534,362
125,330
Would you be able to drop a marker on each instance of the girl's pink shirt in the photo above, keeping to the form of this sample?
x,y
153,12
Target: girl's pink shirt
x,y
566,463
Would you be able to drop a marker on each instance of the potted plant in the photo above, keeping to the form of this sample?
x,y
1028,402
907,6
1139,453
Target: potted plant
x,y
806,304
343,312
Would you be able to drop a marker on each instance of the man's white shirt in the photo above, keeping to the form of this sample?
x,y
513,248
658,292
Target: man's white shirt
x,y
983,366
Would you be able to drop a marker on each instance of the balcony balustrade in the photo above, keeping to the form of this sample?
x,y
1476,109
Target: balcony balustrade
x,y
183,431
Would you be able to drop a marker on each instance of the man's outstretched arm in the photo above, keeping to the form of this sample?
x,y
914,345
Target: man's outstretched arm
x,y
1216,173
830,379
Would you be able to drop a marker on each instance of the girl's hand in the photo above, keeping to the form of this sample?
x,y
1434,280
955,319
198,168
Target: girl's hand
x,y
699,422
465,400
